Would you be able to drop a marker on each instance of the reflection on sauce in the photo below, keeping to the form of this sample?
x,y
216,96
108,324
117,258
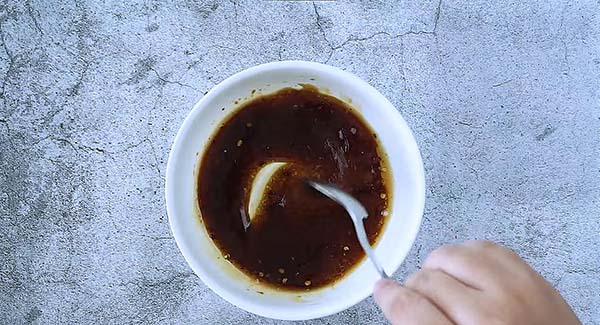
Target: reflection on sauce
x,y
298,239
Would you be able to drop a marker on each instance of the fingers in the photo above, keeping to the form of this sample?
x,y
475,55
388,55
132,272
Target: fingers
x,y
511,270
449,295
472,266
405,306
494,250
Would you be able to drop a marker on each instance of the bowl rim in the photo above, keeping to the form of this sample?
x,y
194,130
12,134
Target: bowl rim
x,y
176,147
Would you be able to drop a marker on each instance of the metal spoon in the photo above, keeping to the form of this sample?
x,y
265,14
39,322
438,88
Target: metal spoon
x,y
357,212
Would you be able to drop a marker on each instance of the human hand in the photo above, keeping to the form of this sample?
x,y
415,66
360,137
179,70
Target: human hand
x,y
477,282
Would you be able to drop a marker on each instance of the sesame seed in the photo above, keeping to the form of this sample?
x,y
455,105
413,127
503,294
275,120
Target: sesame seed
x,y
239,143
384,213
382,195
281,270
284,280
307,283
226,256
346,248
353,130
260,274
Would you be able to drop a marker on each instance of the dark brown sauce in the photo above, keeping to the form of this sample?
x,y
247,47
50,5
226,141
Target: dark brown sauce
x,y
299,239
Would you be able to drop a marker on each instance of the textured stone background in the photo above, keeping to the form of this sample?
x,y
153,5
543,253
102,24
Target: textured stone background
x,y
504,100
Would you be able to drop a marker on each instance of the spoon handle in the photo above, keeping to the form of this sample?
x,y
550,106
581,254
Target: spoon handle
x,y
364,242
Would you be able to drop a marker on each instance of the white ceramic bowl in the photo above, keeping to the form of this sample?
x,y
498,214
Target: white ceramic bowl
x,y
197,247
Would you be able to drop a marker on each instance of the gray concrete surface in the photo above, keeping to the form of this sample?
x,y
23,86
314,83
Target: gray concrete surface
x,y
503,99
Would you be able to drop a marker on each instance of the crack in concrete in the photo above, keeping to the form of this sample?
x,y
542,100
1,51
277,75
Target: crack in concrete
x,y
146,283
61,282
157,238
74,90
320,27
53,161
156,163
11,63
475,171
145,65
48,119
156,101
224,47
322,30
202,8
547,131
87,148
352,38
8,132
77,147
165,80
502,83
563,40
131,146
577,271
32,15
235,8
437,17
402,65
358,39
84,30
71,91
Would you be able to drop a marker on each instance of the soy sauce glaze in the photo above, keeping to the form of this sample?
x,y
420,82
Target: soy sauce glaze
x,y
298,239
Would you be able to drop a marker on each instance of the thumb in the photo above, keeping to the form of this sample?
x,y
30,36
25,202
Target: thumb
x,y
385,292
401,305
